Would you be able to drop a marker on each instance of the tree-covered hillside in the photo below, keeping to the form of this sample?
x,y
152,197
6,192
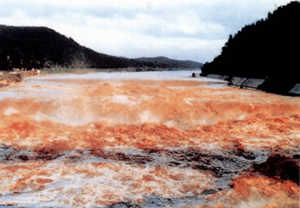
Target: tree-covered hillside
x,y
268,49
39,47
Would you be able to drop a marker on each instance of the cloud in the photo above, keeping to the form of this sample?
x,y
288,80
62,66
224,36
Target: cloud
x,y
190,29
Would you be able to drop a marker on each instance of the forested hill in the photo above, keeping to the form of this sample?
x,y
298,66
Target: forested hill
x,y
164,61
267,49
40,47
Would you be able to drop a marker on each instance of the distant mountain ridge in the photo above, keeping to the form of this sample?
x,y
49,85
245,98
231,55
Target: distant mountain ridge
x,y
161,60
38,47
267,49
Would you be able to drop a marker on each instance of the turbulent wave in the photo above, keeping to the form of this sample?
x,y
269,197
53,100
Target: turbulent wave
x,y
71,142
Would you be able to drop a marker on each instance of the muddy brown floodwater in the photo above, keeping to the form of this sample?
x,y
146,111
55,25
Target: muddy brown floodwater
x,y
146,140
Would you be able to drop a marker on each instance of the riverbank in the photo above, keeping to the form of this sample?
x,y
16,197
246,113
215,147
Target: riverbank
x,y
8,78
277,86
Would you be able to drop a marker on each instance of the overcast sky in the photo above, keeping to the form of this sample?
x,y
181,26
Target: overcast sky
x,y
181,29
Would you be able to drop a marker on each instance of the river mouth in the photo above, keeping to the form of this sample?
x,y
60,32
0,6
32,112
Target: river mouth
x,y
159,139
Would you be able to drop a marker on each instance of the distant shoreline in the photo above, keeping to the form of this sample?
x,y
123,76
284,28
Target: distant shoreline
x,y
7,78
130,69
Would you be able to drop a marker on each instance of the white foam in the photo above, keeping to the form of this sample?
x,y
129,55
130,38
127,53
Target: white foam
x,y
122,99
189,100
148,116
170,123
114,181
10,111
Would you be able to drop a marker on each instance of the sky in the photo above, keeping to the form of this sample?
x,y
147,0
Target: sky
x,y
181,29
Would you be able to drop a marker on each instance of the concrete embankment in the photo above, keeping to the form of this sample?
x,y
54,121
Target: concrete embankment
x,y
255,83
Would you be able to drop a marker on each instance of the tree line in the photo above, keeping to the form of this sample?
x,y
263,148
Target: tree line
x,y
268,49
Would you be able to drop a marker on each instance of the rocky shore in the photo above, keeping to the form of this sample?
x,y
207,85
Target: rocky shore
x,y
8,78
